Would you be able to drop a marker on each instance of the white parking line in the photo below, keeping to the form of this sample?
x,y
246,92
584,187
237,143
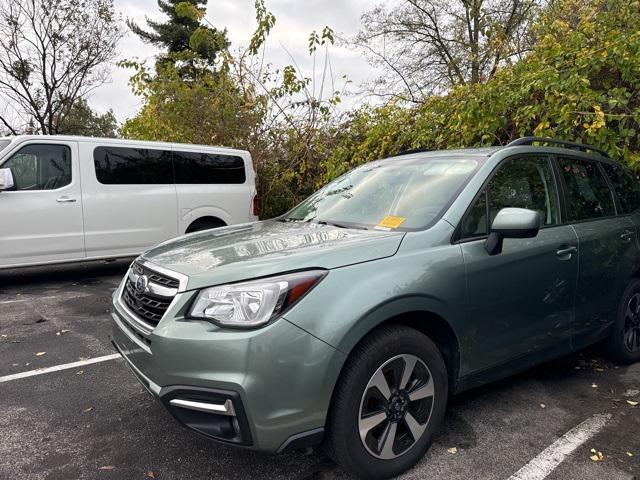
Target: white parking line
x,y
57,368
552,456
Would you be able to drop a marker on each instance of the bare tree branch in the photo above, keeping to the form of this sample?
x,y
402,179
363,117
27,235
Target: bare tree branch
x,y
53,53
432,45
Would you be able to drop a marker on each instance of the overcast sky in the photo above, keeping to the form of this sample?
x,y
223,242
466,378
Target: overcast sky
x,y
295,19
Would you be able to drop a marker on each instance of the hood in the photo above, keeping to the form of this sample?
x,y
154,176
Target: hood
x,y
259,249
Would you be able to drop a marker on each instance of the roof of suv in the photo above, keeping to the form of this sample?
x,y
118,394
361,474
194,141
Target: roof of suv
x,y
484,152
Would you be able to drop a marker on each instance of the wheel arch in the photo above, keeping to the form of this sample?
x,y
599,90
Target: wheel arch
x,y
207,219
432,325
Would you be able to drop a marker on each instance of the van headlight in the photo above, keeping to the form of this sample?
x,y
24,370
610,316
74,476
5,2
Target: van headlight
x,y
254,303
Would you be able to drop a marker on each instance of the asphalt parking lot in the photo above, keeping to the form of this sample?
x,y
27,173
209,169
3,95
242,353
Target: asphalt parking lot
x,y
95,421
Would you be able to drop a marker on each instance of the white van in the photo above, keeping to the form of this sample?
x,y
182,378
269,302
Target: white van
x,y
65,199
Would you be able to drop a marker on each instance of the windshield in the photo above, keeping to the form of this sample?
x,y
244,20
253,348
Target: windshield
x,y
388,195
4,143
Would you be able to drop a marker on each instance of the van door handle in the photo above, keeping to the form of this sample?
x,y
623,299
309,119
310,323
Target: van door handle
x,y
565,252
65,199
626,236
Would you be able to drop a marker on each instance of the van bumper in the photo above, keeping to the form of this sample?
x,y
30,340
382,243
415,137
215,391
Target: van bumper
x,y
267,389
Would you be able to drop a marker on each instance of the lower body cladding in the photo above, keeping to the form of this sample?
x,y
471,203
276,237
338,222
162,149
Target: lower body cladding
x,y
266,389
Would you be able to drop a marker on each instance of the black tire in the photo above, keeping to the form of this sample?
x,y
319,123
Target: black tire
x,y
204,224
617,344
388,346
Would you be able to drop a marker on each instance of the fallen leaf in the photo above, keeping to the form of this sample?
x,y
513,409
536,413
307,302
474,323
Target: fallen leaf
x,y
542,405
107,467
452,450
150,474
39,354
632,403
87,409
597,456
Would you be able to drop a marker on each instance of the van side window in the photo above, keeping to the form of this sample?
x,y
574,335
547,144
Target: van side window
x,y
627,186
588,194
521,183
132,166
41,167
203,168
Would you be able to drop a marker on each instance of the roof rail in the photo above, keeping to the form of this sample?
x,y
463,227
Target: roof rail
x,y
583,147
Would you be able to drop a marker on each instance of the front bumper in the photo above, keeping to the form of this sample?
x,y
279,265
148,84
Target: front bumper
x,y
265,389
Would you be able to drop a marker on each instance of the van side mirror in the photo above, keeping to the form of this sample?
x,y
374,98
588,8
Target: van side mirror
x,y
6,179
512,223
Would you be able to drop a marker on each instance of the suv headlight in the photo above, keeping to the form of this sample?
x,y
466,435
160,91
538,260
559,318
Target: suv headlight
x,y
254,303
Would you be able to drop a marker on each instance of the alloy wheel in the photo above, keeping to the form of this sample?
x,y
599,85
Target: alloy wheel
x,y
631,331
396,406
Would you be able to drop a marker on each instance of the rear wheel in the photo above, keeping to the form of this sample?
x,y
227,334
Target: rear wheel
x,y
388,402
624,343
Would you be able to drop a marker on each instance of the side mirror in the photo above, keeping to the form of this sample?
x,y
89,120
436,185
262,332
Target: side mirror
x,y
512,223
6,179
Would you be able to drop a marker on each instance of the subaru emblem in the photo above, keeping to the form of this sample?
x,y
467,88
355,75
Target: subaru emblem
x,y
141,284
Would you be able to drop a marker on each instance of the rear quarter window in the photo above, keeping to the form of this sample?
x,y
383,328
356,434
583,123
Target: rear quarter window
x,y
132,166
588,194
207,168
627,186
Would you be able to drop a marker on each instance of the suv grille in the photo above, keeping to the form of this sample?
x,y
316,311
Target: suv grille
x,y
151,304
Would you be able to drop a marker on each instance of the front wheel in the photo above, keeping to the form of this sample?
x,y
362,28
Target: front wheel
x,y
624,343
389,401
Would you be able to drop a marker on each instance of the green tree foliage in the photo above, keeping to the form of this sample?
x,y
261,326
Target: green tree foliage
x,y
183,31
282,117
580,82
82,120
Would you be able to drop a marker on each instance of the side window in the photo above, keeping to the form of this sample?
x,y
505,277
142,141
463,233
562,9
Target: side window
x,y
132,166
192,167
588,195
520,183
41,167
627,186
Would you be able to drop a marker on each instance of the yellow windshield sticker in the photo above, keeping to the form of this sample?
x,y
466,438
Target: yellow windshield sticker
x,y
391,222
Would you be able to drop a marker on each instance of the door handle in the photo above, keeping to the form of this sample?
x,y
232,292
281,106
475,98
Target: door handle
x,y
65,199
626,236
565,252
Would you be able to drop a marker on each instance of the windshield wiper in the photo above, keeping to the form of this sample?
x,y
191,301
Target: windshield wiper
x,y
338,225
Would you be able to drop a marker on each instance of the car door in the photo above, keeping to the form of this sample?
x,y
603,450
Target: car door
x,y
520,302
129,198
608,247
41,218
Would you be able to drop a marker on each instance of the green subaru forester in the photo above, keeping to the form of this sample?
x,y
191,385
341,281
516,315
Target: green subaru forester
x,y
351,319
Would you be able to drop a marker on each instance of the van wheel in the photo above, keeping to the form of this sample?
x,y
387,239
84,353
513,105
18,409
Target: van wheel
x,y
390,399
205,224
624,343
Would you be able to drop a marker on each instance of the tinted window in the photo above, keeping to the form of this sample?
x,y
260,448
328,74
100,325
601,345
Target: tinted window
x,y
41,167
627,186
132,166
192,167
520,183
588,195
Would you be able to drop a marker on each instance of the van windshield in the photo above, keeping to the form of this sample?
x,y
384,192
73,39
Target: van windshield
x,y
388,195
4,143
